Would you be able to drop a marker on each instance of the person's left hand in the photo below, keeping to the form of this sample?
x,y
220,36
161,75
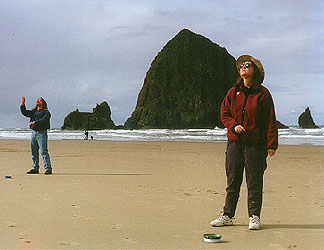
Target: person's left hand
x,y
31,123
271,152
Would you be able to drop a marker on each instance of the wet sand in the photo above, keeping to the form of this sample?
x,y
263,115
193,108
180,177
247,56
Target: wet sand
x,y
153,195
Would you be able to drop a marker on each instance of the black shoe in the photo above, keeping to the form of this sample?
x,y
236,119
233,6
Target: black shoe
x,y
33,171
48,172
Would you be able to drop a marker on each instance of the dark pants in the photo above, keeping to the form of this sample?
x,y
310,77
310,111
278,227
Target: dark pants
x,y
253,159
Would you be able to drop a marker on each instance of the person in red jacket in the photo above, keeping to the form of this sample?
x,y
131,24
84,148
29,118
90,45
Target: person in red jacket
x,y
248,113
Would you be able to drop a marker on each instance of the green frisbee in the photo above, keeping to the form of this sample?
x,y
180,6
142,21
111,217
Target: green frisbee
x,y
212,238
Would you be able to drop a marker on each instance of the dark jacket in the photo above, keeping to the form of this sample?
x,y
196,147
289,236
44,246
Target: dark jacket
x,y
254,109
41,118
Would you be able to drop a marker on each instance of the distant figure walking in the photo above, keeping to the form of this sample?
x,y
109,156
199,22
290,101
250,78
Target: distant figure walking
x,y
248,113
39,123
86,135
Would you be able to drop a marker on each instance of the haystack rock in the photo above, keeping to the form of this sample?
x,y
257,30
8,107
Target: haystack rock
x,y
100,118
185,85
305,120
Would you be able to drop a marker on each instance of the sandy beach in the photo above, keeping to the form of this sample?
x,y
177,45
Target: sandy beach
x,y
153,195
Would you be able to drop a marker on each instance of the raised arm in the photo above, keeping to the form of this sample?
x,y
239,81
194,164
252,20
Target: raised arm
x,y
24,111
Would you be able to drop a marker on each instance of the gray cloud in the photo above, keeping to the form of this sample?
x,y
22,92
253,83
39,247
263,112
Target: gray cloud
x,y
78,53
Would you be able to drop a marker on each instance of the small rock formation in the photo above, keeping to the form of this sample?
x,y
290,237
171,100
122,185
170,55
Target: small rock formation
x,y
281,126
185,85
305,120
100,118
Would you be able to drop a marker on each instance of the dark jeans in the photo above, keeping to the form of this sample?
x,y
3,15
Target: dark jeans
x,y
252,158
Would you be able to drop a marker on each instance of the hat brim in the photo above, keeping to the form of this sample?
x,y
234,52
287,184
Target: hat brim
x,y
243,58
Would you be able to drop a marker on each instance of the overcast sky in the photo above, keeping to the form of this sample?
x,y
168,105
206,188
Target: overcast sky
x,y
79,53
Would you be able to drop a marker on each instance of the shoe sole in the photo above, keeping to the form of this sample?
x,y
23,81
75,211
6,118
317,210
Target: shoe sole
x,y
222,225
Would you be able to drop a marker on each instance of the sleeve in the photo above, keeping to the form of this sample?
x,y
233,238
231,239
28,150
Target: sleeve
x,y
226,114
25,112
270,122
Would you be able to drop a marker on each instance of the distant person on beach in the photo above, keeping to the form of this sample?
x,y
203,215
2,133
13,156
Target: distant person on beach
x,y
86,135
248,113
39,123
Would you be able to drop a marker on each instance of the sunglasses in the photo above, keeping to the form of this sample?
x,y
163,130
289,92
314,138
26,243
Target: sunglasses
x,y
247,65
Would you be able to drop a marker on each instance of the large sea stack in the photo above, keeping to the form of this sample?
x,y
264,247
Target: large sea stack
x,y
305,120
100,118
185,85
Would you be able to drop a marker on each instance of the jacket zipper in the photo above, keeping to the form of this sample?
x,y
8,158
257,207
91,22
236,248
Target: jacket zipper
x,y
244,106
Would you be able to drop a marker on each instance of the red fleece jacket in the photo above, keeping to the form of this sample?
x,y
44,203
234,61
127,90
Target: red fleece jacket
x,y
258,116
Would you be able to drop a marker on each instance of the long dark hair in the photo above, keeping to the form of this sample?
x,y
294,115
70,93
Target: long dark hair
x,y
44,104
256,79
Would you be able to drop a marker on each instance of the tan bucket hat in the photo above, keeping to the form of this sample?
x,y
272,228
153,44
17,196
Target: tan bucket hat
x,y
243,58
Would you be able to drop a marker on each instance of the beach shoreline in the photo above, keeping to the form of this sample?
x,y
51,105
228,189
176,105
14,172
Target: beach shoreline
x,y
291,136
153,195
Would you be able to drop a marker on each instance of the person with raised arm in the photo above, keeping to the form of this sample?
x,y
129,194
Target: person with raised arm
x,y
39,123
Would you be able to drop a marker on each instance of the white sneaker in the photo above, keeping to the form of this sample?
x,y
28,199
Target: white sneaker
x,y
254,223
222,220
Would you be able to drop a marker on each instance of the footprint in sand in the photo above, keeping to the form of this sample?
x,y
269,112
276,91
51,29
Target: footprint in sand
x,y
279,233
22,235
171,207
79,216
65,243
12,225
276,246
132,241
212,191
117,226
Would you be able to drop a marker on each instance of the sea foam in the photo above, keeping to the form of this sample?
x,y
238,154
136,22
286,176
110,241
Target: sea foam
x,y
291,136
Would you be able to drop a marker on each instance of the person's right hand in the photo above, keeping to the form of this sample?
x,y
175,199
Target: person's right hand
x,y
23,100
239,129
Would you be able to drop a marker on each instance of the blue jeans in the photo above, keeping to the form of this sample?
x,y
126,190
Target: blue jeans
x,y
39,141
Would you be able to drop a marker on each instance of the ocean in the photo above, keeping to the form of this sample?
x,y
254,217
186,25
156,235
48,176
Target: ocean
x,y
291,136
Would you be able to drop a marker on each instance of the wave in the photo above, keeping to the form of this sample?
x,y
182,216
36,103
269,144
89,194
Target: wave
x,y
291,136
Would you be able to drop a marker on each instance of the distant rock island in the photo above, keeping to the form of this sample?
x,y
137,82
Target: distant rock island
x,y
100,118
305,120
185,85
281,126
